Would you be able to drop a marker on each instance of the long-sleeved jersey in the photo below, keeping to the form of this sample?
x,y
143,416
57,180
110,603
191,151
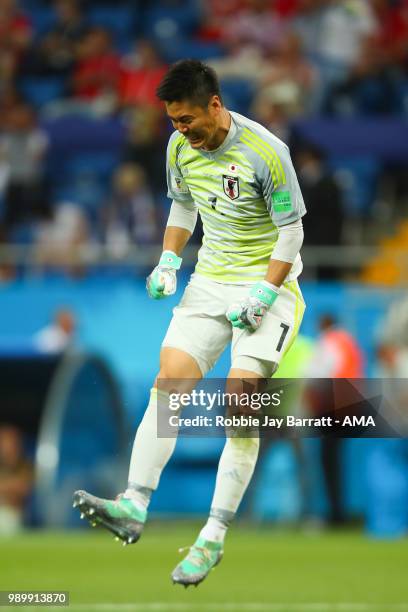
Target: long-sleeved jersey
x,y
244,191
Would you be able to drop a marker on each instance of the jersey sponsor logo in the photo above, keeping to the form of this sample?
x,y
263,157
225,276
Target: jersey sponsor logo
x,y
231,186
281,201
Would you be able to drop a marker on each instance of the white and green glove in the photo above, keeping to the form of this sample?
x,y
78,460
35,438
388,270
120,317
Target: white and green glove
x,y
249,313
162,281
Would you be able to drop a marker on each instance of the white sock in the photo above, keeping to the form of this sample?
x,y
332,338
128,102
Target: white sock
x,y
235,470
140,496
150,453
214,530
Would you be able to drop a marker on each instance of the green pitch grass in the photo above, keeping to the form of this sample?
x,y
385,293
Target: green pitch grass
x,y
263,570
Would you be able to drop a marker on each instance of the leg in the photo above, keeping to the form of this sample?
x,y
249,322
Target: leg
x,y
254,357
126,516
151,453
330,453
235,470
197,335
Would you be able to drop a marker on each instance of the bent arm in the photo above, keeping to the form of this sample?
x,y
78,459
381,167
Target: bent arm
x,y
180,225
284,254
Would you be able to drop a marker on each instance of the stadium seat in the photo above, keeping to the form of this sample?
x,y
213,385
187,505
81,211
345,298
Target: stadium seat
x,y
22,234
357,177
174,49
40,91
161,22
87,191
101,163
43,19
237,94
120,20
401,99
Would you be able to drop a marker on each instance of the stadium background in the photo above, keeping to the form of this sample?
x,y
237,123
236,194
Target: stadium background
x,y
82,208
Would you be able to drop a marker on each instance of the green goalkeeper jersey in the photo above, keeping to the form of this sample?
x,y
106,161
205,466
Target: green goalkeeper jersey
x,y
244,191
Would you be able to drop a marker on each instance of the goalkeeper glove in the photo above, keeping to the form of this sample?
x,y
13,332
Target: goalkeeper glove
x,y
162,281
249,313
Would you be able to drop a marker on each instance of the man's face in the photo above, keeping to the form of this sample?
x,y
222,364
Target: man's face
x,y
199,125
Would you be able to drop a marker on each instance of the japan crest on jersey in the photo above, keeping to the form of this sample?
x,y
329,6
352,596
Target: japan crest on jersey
x,y
231,186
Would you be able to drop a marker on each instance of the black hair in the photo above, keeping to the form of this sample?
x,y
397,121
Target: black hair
x,y
189,80
326,321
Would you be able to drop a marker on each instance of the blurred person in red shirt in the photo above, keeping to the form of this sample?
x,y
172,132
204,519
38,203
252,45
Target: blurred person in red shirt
x,y
393,28
220,12
337,354
258,24
16,34
141,73
97,70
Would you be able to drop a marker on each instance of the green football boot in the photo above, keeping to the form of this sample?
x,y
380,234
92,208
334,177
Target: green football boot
x,y
202,557
120,516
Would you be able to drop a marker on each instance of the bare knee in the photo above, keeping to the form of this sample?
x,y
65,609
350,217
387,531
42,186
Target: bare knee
x,y
177,369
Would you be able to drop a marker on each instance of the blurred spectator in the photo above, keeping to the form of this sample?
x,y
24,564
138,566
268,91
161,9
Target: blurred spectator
x,y
245,62
15,38
16,478
371,86
141,74
145,142
215,14
323,224
9,99
258,24
393,341
58,336
336,355
290,72
56,51
142,71
129,216
393,29
23,146
59,242
274,107
332,32
97,70
250,35
222,10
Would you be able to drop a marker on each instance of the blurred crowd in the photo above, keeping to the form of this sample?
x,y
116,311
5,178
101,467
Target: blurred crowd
x,y
65,63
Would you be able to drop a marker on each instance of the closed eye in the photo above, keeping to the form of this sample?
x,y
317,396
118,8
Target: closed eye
x,y
186,120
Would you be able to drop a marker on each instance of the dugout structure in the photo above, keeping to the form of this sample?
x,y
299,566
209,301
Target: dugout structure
x,y
71,414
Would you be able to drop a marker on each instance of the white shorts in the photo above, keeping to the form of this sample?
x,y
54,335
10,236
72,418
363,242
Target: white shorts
x,y
200,328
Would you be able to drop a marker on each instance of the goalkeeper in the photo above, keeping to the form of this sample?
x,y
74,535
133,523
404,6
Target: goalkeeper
x,y
240,179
